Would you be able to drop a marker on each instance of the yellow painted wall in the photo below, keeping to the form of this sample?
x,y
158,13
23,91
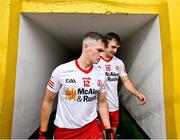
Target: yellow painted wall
x,y
91,6
9,25
169,27
168,74
174,22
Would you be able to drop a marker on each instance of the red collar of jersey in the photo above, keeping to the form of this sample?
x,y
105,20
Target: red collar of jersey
x,y
107,60
85,71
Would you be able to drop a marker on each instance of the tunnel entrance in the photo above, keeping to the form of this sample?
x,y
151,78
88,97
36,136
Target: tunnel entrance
x,y
47,40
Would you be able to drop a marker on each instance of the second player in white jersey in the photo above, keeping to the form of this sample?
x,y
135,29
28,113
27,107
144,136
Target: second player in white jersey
x,y
113,68
77,90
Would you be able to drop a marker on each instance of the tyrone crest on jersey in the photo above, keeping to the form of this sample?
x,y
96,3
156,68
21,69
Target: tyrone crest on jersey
x,y
117,68
99,83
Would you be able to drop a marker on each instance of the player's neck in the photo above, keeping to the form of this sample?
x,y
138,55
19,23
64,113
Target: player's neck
x,y
106,57
84,64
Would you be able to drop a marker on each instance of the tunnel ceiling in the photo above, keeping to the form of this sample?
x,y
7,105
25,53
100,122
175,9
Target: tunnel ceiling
x,y
69,29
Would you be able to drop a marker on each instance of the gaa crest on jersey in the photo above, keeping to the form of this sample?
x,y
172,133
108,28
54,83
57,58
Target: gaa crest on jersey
x,y
70,81
117,68
99,83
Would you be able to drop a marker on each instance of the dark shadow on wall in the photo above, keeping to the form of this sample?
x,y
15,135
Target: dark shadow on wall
x,y
128,127
51,128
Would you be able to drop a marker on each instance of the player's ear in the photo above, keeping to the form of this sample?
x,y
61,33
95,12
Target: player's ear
x,y
85,46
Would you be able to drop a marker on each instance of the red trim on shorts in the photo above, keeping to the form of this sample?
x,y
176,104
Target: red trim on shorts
x,y
89,131
85,71
107,60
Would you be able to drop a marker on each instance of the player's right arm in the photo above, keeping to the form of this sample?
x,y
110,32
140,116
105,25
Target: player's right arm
x,y
53,87
46,109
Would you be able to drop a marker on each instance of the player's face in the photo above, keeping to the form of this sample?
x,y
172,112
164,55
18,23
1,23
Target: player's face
x,y
112,48
95,52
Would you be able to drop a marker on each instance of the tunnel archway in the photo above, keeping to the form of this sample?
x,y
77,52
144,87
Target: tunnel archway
x,y
47,40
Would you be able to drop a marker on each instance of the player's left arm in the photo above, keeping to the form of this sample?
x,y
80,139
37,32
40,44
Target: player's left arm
x,y
130,87
104,113
103,109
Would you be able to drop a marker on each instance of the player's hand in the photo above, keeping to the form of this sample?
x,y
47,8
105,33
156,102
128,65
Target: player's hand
x,y
142,98
42,135
109,134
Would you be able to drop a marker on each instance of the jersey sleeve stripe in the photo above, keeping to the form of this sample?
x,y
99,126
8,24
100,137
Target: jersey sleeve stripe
x,y
51,81
51,85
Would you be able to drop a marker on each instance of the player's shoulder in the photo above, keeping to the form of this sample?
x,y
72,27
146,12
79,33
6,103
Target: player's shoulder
x,y
98,69
65,66
117,60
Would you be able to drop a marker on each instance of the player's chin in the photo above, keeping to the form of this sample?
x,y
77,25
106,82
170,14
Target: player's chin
x,y
97,60
112,54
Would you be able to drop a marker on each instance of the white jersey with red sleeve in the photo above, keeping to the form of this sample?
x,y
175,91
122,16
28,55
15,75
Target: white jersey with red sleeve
x,y
77,91
113,68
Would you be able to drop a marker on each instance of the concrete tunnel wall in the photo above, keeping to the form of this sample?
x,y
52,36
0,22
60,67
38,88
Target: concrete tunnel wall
x,y
143,59
38,55
34,69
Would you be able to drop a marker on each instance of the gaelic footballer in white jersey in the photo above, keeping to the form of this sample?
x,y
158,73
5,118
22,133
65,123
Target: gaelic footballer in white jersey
x,y
113,68
77,93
